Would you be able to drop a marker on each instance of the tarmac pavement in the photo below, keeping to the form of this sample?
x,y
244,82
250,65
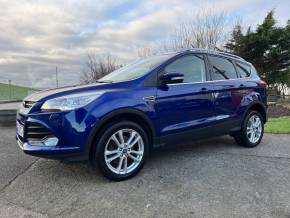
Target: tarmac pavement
x,y
211,178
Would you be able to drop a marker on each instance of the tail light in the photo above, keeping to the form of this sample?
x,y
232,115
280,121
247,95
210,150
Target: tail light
x,y
262,84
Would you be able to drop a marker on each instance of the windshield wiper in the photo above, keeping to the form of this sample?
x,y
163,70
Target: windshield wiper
x,y
104,81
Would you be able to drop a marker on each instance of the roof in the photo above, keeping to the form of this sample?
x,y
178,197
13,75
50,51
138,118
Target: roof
x,y
208,51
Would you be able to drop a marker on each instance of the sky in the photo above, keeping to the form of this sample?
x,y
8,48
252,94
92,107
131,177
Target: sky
x,y
36,36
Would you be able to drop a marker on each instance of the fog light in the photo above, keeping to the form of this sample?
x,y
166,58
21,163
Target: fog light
x,y
51,141
35,142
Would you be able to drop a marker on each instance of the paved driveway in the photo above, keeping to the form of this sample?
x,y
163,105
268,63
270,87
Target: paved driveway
x,y
213,178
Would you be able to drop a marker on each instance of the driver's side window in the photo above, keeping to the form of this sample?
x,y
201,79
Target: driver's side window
x,y
192,66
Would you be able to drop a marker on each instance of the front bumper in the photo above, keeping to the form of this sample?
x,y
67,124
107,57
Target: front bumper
x,y
67,153
71,128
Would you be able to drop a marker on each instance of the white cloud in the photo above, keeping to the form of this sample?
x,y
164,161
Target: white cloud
x,y
37,35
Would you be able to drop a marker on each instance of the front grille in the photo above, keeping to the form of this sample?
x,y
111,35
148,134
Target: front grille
x,y
28,104
37,132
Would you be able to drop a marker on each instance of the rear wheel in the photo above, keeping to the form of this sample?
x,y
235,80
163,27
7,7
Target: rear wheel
x,y
122,150
252,130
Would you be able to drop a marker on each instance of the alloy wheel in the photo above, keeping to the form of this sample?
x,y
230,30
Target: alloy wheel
x,y
124,151
254,129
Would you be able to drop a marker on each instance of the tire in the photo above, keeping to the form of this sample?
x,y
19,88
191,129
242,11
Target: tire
x,y
246,139
112,154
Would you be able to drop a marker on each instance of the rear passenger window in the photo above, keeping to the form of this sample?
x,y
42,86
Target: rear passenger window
x,y
222,68
244,70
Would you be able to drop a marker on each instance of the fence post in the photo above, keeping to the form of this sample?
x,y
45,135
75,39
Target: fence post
x,y
10,93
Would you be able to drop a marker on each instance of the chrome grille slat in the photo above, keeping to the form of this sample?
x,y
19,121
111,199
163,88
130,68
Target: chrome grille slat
x,y
38,133
35,127
37,130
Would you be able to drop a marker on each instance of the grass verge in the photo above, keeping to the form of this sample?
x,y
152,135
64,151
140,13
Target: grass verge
x,y
13,92
279,125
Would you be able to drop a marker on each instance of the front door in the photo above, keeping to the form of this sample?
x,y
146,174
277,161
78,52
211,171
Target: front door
x,y
185,107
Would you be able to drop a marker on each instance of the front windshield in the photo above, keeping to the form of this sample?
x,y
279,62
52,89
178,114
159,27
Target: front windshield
x,y
135,69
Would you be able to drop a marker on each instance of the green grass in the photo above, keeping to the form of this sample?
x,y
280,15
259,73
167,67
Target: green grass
x,y
279,125
13,92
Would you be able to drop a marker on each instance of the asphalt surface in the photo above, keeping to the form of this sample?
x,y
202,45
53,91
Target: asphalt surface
x,y
212,178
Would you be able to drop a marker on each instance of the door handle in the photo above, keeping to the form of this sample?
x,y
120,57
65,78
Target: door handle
x,y
242,85
203,89
149,98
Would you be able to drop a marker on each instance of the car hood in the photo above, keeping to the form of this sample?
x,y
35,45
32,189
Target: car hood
x,y
52,93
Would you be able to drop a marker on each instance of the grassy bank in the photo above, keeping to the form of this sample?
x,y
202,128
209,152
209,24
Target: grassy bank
x,y
279,125
13,92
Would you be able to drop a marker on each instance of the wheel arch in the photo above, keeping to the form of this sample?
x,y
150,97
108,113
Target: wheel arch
x,y
258,106
128,114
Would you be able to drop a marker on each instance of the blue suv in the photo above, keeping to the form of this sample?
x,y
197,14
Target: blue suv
x,y
172,98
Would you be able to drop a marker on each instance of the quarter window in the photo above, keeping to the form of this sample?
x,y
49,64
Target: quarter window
x,y
244,70
192,66
222,68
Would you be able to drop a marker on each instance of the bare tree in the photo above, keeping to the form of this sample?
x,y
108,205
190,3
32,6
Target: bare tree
x,y
98,66
204,30
145,51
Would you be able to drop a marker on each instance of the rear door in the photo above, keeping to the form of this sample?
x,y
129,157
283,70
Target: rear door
x,y
250,89
188,106
227,92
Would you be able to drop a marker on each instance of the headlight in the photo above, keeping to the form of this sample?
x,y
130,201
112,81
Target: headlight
x,y
70,102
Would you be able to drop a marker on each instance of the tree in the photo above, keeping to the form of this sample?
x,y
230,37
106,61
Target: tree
x,y
235,43
268,48
98,66
205,30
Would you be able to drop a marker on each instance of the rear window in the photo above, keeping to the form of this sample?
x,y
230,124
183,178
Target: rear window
x,y
223,68
244,70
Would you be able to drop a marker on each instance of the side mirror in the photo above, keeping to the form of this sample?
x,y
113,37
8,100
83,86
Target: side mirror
x,y
172,78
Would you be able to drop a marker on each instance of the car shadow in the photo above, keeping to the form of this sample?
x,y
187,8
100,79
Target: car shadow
x,y
213,145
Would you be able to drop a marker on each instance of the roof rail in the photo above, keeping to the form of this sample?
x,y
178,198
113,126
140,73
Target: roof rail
x,y
208,51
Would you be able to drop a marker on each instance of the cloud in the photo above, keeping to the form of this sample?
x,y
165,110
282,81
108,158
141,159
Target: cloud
x,y
38,35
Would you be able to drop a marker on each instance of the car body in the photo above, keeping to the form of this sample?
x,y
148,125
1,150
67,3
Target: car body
x,y
210,98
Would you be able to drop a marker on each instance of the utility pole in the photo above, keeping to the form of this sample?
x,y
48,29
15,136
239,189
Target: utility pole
x,y
10,92
56,77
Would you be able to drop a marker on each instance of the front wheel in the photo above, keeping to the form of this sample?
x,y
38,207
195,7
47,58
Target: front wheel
x,y
252,130
122,150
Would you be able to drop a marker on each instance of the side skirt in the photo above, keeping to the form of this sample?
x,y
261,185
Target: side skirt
x,y
200,133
